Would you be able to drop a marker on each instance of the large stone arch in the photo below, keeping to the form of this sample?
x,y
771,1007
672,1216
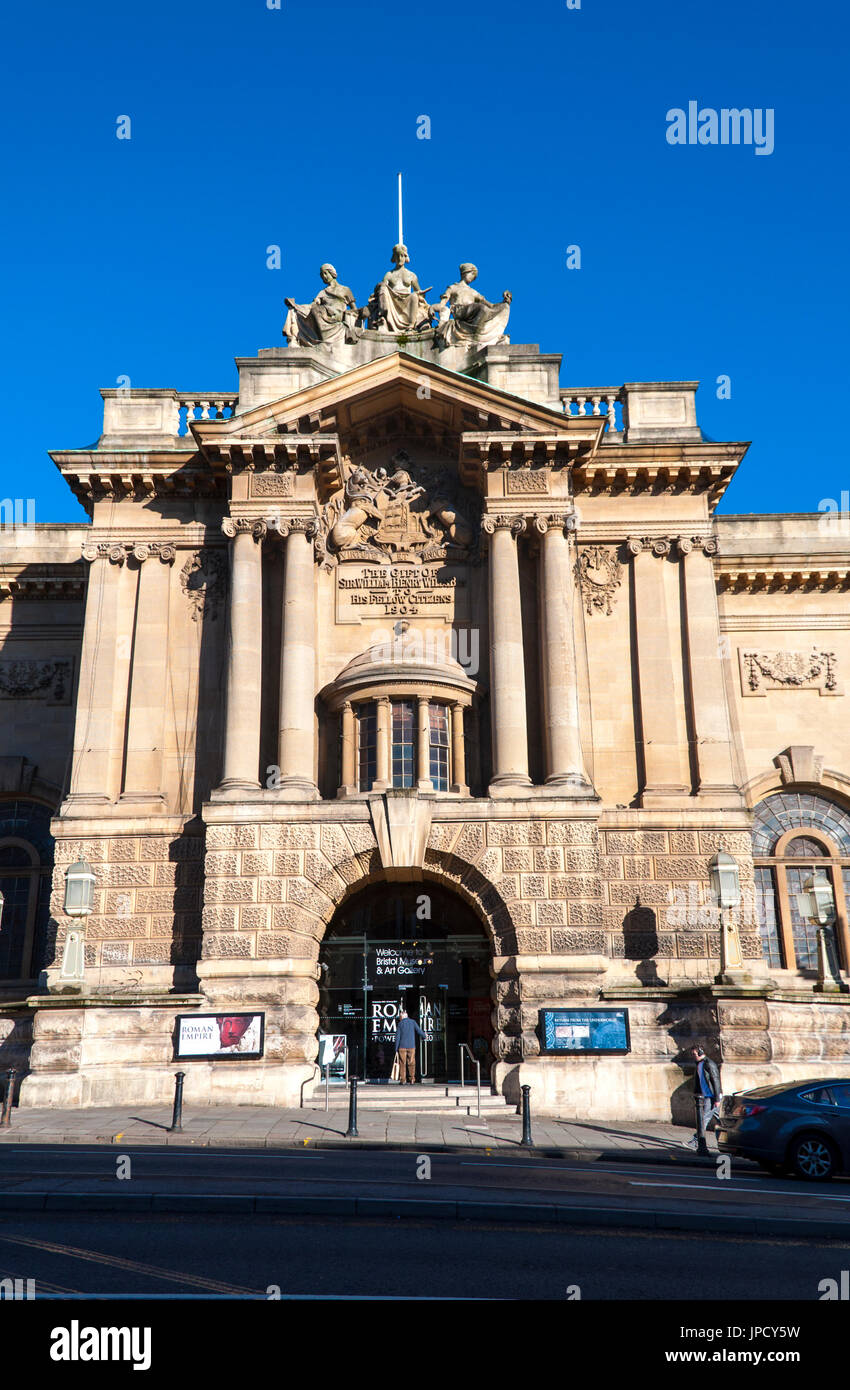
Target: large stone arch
x,y
347,859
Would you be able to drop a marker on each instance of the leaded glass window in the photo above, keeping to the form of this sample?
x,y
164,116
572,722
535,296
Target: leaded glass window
x,y
439,747
784,863
403,742
367,745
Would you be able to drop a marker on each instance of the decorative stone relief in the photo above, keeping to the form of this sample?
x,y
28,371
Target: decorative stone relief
x,y
272,484
527,480
203,579
788,670
407,515
599,575
36,680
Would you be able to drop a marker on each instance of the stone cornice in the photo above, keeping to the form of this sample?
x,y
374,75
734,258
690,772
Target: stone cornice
x,y
176,474
738,576
675,468
485,451
43,582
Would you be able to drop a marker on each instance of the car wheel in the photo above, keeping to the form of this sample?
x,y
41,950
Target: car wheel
x,y
813,1157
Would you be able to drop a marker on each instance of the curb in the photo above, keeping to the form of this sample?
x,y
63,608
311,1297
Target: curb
x,y
498,1144
424,1210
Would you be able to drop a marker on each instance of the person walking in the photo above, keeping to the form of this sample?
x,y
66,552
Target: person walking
x,y
405,1045
707,1097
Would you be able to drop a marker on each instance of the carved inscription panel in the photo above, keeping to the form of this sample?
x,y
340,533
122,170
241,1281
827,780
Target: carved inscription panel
x,y
365,592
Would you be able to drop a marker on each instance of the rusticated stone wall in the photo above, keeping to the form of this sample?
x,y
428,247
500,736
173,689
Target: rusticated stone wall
x,y
657,899
145,929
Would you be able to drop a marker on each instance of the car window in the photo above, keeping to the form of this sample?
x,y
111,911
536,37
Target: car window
x,y
822,1096
841,1094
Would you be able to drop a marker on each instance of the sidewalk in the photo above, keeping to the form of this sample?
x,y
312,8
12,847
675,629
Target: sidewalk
x,y
263,1127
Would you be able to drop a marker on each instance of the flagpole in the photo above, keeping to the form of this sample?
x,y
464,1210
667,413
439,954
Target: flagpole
x,y
400,223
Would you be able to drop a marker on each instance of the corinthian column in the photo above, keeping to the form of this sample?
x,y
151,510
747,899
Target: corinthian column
x,y
244,654
148,676
296,728
507,661
562,736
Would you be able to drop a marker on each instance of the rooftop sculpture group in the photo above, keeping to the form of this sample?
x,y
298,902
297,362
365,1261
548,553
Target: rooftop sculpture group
x,y
398,306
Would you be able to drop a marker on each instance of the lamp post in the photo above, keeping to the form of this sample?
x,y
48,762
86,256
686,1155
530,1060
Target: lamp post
x,y
817,904
726,888
79,900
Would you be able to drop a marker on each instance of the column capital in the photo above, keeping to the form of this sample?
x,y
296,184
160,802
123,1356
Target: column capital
x,y
687,544
144,550
555,521
117,552
654,545
502,522
293,525
237,525
104,550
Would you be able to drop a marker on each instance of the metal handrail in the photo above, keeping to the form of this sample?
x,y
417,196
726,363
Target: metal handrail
x,y
310,1079
464,1047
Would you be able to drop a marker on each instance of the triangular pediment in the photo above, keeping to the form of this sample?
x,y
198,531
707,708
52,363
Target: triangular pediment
x,y
396,394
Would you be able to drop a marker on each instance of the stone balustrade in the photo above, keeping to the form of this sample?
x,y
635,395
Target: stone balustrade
x,y
162,413
212,407
595,400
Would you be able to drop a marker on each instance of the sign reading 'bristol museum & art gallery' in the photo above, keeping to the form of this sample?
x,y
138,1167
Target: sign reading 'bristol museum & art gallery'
x,y
584,1030
219,1035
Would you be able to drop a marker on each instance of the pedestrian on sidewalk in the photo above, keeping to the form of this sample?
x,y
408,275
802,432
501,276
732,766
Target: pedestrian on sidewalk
x,y
707,1097
405,1046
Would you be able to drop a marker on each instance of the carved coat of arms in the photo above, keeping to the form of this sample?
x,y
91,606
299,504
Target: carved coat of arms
x,y
381,515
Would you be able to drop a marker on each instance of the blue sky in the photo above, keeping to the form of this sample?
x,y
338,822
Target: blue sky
x,y
253,126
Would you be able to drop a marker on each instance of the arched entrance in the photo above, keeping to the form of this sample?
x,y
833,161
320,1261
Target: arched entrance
x,y
415,945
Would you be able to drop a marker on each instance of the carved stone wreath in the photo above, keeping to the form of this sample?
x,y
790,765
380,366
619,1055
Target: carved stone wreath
x,y
789,670
36,680
202,580
599,574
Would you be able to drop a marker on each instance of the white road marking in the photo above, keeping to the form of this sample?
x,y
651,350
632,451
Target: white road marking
x,y
762,1191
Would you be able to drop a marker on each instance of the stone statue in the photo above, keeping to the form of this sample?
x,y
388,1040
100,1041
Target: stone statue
x,y
330,319
360,496
398,304
467,319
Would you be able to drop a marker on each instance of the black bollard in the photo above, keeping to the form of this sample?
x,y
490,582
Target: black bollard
x,y
6,1117
527,1141
177,1116
351,1132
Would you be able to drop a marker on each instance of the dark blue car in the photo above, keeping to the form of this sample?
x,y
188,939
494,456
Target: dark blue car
x,y
801,1127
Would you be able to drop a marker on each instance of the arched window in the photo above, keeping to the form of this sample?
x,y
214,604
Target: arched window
x,y
26,870
794,834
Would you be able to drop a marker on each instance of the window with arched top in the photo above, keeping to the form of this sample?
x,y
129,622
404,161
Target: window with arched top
x,y
26,871
794,835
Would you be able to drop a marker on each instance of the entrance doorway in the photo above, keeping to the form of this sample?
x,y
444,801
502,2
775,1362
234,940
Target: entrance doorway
x,y
411,946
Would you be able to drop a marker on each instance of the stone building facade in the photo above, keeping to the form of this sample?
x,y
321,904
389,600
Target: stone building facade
x,y
406,616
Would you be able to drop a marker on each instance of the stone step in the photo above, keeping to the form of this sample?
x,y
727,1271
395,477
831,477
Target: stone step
x,y
410,1098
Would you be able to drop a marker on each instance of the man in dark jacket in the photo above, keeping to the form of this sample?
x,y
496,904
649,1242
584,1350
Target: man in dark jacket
x,y
707,1096
405,1045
